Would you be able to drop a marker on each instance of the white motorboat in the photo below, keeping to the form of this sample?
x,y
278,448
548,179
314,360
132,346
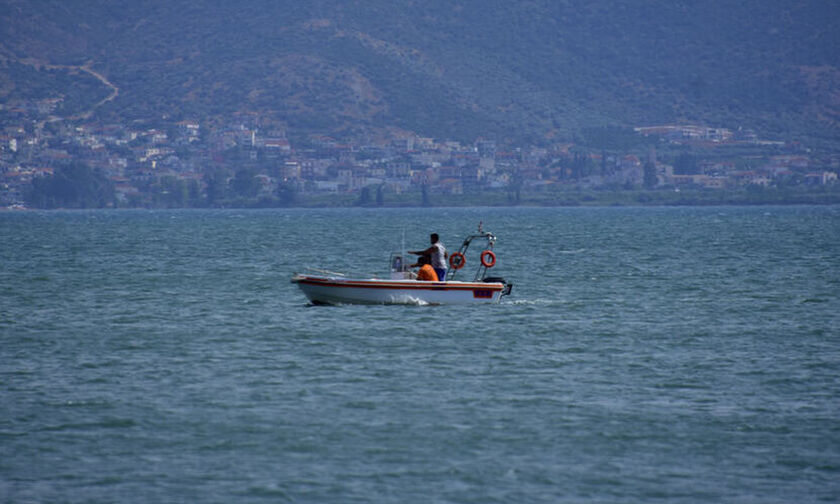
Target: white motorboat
x,y
326,287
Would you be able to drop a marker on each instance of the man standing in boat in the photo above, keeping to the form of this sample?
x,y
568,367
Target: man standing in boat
x,y
437,256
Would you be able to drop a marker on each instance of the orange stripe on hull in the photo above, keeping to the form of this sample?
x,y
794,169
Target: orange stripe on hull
x,y
390,285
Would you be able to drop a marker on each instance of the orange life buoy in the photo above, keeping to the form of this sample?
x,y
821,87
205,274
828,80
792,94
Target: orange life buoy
x,y
457,260
488,259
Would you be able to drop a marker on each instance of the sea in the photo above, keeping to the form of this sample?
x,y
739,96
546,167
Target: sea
x,y
678,354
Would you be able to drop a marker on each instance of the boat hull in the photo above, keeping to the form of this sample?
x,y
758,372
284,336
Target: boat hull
x,y
332,290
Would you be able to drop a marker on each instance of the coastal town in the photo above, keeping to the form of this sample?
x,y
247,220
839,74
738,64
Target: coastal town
x,y
250,159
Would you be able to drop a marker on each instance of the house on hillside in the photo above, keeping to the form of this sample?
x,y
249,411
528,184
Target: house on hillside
x,y
821,178
451,186
189,130
291,170
278,144
751,177
472,176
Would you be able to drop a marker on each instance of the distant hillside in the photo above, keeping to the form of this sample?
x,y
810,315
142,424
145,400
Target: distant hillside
x,y
528,71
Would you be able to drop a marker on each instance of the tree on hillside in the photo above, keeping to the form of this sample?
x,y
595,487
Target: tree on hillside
x,y
171,192
73,186
514,188
287,193
650,179
245,183
216,186
686,164
364,197
424,196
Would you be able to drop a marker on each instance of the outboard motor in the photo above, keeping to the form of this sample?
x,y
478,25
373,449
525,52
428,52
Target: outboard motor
x,y
508,286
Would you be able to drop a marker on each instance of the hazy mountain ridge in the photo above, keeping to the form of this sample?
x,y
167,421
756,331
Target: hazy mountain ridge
x,y
529,70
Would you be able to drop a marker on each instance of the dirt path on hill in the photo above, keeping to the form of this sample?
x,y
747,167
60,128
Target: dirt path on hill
x,y
38,65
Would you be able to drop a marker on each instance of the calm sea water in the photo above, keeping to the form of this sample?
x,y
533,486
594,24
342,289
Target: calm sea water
x,y
671,355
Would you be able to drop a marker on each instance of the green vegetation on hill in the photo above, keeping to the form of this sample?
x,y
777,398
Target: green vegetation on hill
x,y
518,71
73,186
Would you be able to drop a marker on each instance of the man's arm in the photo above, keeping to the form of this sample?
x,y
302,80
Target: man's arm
x,y
428,251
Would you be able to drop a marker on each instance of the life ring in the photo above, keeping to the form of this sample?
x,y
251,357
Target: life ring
x,y
457,260
488,259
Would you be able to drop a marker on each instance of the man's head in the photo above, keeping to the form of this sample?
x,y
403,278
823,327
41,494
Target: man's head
x,y
422,260
434,238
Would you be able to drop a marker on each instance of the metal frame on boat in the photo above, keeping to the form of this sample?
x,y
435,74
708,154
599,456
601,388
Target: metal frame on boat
x,y
327,287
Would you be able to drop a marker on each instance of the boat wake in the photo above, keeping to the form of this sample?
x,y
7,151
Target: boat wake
x,y
415,302
532,302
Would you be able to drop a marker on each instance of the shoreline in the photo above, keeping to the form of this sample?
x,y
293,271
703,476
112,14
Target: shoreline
x,y
592,199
